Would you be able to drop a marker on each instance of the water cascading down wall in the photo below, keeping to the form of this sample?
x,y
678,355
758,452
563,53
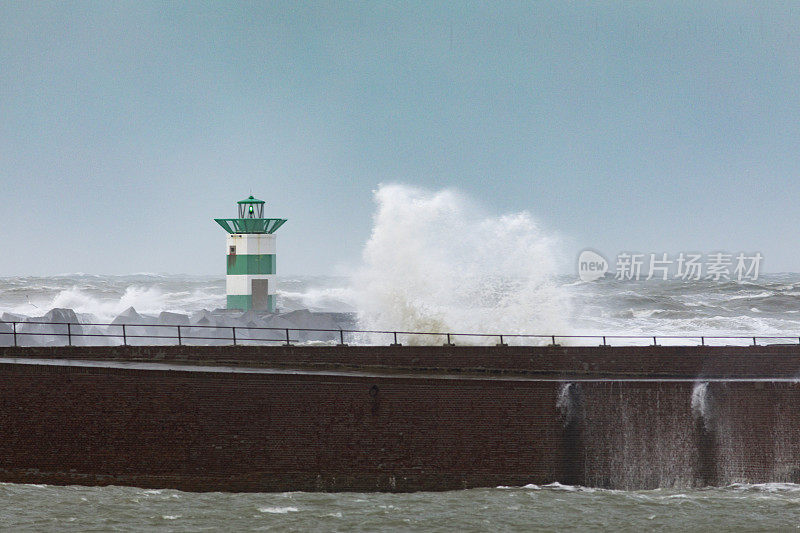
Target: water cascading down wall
x,y
399,418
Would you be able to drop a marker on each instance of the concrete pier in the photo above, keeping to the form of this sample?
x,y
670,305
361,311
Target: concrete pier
x,y
399,418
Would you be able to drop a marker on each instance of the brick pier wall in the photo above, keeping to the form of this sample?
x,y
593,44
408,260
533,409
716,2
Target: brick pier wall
x,y
327,430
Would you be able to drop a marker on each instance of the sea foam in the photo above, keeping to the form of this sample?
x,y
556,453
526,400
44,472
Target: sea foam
x,y
436,262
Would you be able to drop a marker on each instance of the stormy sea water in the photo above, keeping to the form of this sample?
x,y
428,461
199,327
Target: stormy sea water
x,y
768,507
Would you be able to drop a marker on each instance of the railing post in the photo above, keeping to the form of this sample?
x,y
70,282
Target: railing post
x,y
14,325
501,341
180,342
395,339
288,342
69,335
702,341
124,336
341,338
604,341
754,342
233,332
655,342
553,339
448,341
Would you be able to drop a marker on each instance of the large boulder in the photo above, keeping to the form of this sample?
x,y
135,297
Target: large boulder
x,y
341,320
211,329
61,315
251,319
173,319
167,327
250,328
128,316
100,336
275,332
13,317
203,318
277,321
303,319
139,329
6,334
67,316
51,329
89,318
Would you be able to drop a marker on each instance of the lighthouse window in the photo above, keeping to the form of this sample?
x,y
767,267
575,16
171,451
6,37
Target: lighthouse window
x,y
232,250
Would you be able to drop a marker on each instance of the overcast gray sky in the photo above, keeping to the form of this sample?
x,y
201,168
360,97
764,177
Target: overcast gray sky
x,y
125,127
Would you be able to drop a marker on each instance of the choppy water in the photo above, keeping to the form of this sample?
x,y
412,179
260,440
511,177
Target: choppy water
x,y
770,507
767,306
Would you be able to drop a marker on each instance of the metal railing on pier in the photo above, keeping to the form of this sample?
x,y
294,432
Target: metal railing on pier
x,y
33,333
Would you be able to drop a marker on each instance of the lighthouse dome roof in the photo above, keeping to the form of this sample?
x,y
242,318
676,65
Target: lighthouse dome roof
x,y
250,200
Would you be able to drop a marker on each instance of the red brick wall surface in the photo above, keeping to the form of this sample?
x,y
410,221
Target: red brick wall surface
x,y
215,431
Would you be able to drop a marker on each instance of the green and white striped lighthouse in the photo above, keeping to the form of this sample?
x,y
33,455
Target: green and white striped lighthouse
x,y
251,257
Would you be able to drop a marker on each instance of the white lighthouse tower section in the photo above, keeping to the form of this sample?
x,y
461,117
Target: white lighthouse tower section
x,y
251,272
252,243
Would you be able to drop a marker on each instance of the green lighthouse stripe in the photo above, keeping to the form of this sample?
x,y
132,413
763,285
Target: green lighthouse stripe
x,y
240,301
251,264
245,302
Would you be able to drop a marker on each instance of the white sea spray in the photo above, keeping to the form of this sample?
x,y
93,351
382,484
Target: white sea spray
x,y
435,262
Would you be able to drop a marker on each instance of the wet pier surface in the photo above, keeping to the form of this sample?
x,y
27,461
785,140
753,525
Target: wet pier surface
x,y
428,373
